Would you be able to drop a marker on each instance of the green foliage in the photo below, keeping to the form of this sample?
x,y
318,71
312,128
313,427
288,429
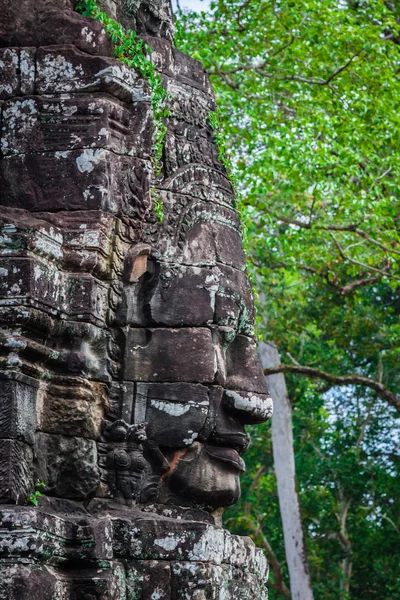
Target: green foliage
x,y
36,494
135,53
214,119
309,97
158,205
216,124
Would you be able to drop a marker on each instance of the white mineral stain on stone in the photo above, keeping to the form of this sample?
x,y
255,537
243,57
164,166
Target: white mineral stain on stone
x,y
86,161
69,110
75,140
88,35
168,543
14,342
171,408
50,245
93,106
15,289
60,154
210,547
193,436
21,115
3,272
26,64
251,403
14,360
37,271
56,69
213,289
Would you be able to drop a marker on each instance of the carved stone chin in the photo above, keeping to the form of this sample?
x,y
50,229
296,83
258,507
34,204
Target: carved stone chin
x,y
204,475
128,366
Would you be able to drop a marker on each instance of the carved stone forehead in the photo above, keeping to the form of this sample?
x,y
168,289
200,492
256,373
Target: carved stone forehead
x,y
147,17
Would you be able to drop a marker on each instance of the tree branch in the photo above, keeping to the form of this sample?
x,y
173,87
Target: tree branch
x,y
350,287
343,290
256,529
309,80
239,15
279,585
360,264
258,475
339,380
331,227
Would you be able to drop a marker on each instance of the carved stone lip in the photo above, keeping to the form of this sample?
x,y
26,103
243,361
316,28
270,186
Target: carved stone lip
x,y
239,441
227,455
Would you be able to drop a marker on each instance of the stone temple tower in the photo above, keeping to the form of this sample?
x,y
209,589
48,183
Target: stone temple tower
x,y
128,369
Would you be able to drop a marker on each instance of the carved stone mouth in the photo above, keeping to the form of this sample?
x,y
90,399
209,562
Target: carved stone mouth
x,y
239,441
227,455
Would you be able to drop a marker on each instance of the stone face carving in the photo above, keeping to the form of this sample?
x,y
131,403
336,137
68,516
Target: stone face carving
x,y
128,369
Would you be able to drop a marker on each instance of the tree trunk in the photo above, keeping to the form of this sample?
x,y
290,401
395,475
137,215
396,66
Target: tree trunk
x,y
282,444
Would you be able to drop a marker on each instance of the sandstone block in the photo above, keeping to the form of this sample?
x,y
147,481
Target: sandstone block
x,y
68,465
147,579
65,69
170,355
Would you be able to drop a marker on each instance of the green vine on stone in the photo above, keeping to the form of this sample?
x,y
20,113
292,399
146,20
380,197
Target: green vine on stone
x,y
135,53
214,119
36,494
158,205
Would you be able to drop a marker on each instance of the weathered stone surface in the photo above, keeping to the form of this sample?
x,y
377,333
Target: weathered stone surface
x,y
148,579
185,354
184,407
68,465
210,560
60,125
128,370
90,180
16,477
62,70
243,368
74,410
18,397
25,583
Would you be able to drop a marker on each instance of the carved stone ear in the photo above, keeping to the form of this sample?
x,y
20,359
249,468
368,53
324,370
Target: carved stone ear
x,y
136,262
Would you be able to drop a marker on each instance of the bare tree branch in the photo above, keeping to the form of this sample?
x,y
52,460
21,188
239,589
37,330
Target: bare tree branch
x,y
344,256
363,428
350,287
331,227
309,80
327,81
343,290
279,585
258,475
366,236
239,15
339,380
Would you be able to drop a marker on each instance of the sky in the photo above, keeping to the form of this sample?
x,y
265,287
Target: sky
x,y
197,5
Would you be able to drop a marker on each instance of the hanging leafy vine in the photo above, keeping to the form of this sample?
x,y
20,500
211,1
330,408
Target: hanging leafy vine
x,y
135,53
